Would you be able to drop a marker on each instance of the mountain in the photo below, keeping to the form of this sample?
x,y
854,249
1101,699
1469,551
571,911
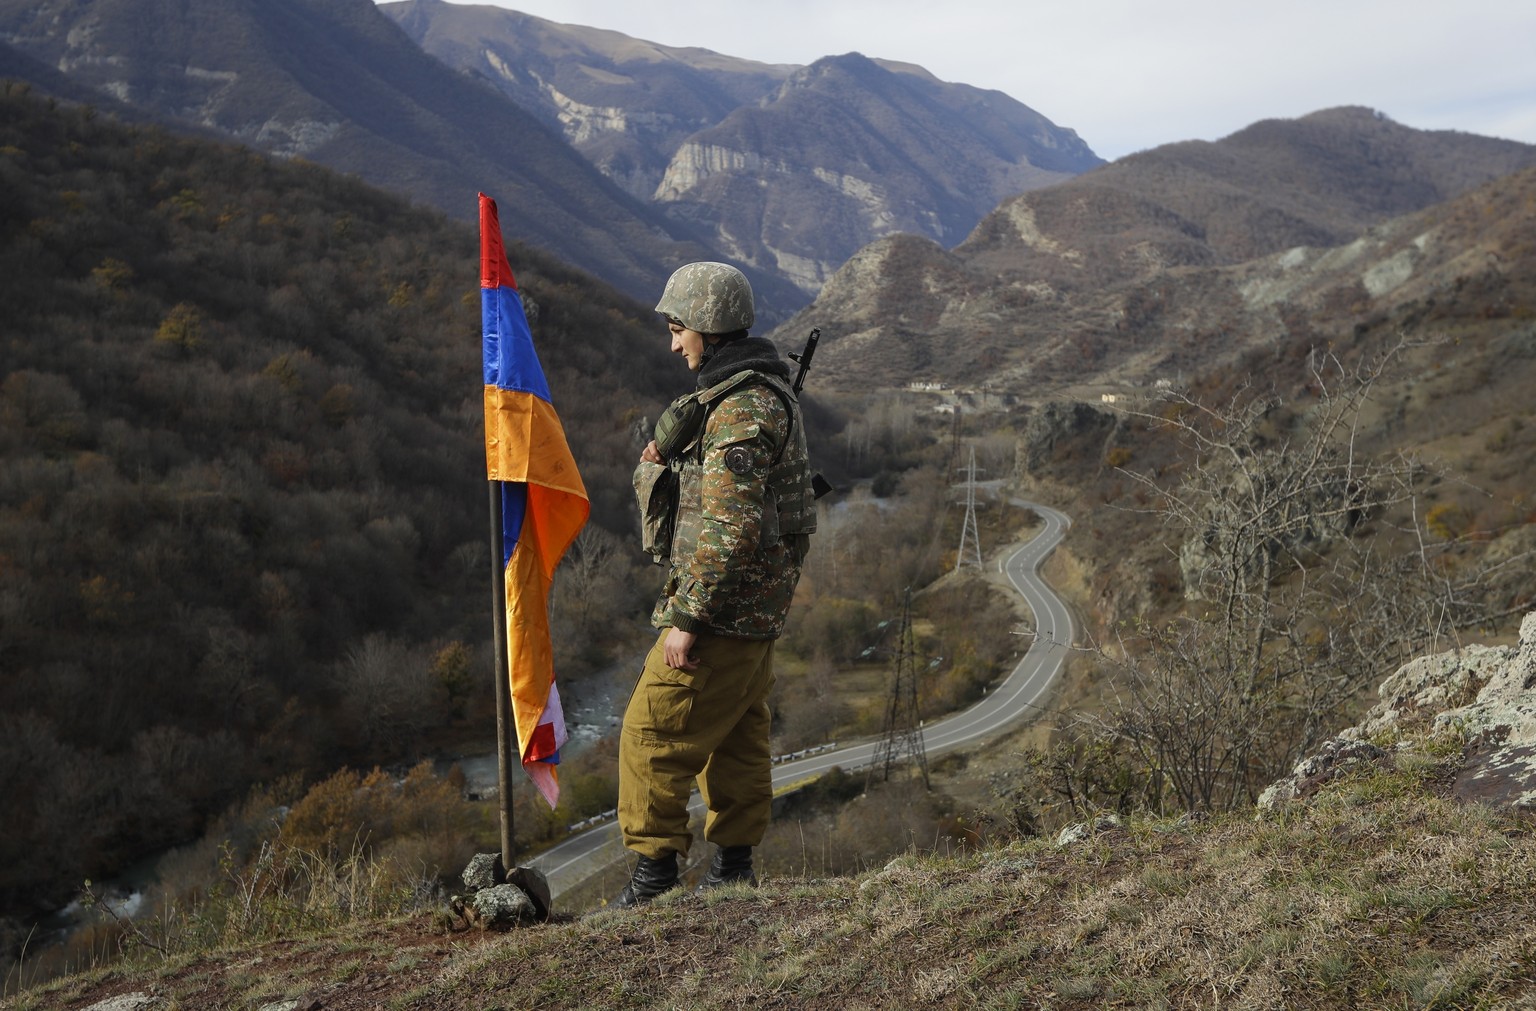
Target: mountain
x,y
1033,331
787,169
16,65
624,103
849,150
1147,267
1315,181
337,83
621,156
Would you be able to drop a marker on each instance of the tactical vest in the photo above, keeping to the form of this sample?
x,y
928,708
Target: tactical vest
x,y
790,509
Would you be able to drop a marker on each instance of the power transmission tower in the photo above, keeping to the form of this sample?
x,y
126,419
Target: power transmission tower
x,y
903,734
954,439
968,534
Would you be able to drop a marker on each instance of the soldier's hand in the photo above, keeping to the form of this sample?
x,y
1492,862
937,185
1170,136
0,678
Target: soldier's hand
x,y
650,454
678,646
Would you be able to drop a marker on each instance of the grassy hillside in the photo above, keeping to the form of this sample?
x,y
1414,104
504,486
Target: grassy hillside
x,y
1379,893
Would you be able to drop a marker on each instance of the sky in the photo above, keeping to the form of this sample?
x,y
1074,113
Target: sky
x,y
1128,75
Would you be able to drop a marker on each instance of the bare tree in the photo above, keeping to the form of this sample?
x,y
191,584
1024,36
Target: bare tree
x,y
587,577
1305,578
598,589
388,693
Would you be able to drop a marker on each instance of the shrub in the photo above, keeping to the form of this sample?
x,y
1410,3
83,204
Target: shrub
x,y
181,329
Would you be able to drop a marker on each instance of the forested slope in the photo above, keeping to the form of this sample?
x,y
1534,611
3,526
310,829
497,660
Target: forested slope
x,y
241,479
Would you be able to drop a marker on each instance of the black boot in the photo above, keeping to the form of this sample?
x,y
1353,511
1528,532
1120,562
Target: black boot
x,y
732,865
650,879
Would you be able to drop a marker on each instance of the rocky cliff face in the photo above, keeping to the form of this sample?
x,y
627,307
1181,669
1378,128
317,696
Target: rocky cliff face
x,y
851,149
623,103
788,169
1062,430
1486,694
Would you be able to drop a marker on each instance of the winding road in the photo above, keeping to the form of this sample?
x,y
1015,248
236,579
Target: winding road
x,y
580,856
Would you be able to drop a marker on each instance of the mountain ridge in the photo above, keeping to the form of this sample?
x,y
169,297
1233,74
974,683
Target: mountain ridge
x,y
337,82
1059,286
848,150
758,156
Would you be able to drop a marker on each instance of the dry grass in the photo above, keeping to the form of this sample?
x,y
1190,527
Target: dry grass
x,y
1378,894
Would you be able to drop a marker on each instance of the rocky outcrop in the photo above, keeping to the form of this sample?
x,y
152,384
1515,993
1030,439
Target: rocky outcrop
x,y
1083,830
850,150
1487,694
1324,518
1061,430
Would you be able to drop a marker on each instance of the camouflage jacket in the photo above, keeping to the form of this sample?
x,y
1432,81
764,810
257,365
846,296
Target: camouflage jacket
x,y
731,571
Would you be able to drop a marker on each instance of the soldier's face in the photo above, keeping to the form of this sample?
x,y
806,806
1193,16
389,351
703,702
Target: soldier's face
x,y
688,343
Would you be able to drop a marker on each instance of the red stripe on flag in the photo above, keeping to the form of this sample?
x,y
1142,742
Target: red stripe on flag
x,y
495,271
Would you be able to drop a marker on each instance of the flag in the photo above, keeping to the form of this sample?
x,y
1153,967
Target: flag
x,y
543,503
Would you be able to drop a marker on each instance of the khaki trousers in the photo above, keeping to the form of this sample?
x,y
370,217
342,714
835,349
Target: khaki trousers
x,y
710,724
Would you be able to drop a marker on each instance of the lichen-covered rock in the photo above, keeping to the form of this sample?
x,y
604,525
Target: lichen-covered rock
x,y
1076,833
501,908
483,871
130,1002
1485,693
1430,686
1499,764
1312,773
534,885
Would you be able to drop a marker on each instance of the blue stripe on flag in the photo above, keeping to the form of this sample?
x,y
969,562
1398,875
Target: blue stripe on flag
x,y
514,506
510,361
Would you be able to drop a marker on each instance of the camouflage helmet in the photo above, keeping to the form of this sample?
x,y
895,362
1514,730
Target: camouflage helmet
x,y
708,298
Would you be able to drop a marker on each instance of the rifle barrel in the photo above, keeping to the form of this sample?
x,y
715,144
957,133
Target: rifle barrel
x,y
804,358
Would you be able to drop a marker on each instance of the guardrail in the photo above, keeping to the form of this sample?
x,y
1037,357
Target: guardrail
x,y
804,753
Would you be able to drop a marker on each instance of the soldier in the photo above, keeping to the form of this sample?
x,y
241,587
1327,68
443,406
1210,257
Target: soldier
x,y
726,490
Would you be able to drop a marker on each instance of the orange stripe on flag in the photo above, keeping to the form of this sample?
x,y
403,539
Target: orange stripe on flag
x,y
528,647
524,442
